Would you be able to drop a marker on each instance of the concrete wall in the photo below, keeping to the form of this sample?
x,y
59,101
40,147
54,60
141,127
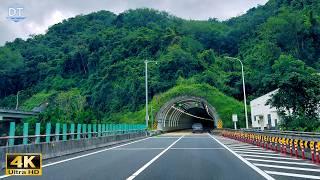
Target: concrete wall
x,y
60,148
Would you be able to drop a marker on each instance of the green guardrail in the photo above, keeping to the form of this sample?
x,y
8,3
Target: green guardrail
x,y
65,132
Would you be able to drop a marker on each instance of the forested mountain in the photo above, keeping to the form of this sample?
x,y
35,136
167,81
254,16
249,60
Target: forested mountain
x,y
92,66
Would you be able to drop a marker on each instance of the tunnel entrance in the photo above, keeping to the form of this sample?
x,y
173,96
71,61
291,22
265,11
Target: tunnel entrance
x,y
183,111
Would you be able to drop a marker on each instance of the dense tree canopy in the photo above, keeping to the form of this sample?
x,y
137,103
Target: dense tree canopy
x,y
97,60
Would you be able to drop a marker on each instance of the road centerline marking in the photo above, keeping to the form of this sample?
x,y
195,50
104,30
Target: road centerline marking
x,y
152,160
262,173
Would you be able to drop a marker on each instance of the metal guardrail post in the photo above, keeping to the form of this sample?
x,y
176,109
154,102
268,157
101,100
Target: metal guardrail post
x,y
57,131
103,129
72,131
79,131
37,131
89,131
84,130
12,133
111,129
25,133
48,132
99,130
64,132
107,129
94,127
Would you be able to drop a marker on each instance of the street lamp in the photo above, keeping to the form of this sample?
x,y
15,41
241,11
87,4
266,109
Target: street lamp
x,y
244,90
146,82
17,100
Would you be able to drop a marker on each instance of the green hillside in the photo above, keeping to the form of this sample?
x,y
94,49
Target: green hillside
x,y
91,67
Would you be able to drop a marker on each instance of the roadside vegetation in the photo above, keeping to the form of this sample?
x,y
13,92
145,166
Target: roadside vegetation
x,y
90,68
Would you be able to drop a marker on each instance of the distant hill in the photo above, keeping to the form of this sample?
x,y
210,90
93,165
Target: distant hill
x,y
91,66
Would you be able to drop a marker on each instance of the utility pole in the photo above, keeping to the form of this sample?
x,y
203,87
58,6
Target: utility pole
x,y
244,91
146,83
17,100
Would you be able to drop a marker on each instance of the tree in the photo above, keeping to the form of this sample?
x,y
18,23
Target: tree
x,y
298,97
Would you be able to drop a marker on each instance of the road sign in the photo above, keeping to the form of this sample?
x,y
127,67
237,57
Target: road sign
x,y
234,117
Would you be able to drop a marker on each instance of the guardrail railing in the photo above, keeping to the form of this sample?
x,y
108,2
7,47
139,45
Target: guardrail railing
x,y
64,132
299,144
278,132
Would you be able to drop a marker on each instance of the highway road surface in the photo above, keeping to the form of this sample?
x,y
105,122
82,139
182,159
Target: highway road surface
x,y
175,156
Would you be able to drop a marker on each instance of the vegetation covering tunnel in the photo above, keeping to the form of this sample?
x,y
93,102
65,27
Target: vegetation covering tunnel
x,y
201,100
183,111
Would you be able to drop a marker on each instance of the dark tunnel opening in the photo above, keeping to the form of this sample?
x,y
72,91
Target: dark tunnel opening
x,y
183,111
199,112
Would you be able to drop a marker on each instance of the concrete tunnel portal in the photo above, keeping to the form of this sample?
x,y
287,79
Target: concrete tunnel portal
x,y
181,112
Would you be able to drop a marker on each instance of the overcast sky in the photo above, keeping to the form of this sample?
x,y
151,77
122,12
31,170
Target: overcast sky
x,y
40,14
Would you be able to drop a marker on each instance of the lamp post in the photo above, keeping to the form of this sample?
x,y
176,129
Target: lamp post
x,y
146,83
17,100
244,90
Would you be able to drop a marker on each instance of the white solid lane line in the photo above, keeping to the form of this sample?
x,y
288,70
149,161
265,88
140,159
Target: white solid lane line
x,y
287,167
151,161
293,175
129,149
253,150
262,173
84,155
281,162
196,137
269,157
198,148
258,153
241,145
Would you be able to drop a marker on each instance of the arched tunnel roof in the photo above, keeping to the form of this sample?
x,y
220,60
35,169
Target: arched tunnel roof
x,y
181,112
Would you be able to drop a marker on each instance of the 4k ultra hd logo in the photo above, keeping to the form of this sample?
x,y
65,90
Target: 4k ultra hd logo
x,y
15,13
24,164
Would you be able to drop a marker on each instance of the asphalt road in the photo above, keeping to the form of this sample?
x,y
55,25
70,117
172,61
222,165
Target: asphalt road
x,y
172,156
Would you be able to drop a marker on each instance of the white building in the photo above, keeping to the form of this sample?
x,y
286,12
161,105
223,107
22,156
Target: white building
x,y
262,115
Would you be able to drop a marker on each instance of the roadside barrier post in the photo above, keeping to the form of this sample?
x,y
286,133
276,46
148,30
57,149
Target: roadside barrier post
x,y
89,131
290,142
48,132
79,131
285,143
64,132
12,133
84,130
302,149
296,147
25,133
94,127
317,152
280,142
57,131
72,131
271,142
312,150
37,133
